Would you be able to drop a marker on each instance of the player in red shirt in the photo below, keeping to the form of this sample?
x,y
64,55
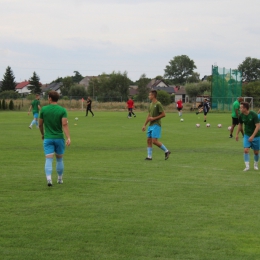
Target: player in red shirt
x,y
130,106
179,106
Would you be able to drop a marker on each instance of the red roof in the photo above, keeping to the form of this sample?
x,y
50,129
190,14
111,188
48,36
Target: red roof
x,y
22,84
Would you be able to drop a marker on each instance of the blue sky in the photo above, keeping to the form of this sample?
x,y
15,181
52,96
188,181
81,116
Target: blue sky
x,y
55,38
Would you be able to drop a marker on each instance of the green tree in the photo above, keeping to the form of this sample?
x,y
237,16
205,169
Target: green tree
x,y
11,105
78,91
142,88
250,68
93,87
3,104
198,89
8,80
35,85
164,97
9,94
179,69
0,104
252,89
67,83
77,77
194,78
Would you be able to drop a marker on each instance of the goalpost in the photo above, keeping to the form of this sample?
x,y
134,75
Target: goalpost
x,y
250,100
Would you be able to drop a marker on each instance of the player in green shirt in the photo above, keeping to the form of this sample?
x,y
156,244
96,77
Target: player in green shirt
x,y
235,115
155,114
53,122
252,134
35,107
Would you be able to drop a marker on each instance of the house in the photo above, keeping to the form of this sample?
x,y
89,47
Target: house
x,y
181,93
22,88
85,81
53,86
158,84
133,90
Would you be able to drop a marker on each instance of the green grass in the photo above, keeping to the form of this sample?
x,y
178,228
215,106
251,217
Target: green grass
x,y
113,204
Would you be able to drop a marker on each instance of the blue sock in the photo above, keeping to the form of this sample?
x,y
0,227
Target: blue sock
x,y
150,152
246,157
164,148
36,122
256,157
48,166
59,166
33,122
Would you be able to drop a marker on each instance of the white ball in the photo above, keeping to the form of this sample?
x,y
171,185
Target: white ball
x,y
207,125
182,119
197,125
76,119
219,125
229,128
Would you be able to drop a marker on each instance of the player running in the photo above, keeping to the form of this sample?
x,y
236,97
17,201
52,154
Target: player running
x,y
89,103
35,107
53,122
130,107
156,112
179,106
205,108
252,134
235,116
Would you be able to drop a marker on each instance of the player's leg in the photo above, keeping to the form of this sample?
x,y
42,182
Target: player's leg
x,y
181,112
256,148
247,146
87,112
156,134
33,122
132,112
49,152
91,112
129,113
59,150
36,115
149,144
234,123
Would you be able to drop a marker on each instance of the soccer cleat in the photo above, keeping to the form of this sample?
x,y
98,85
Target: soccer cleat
x,y
60,181
148,159
134,115
205,120
231,136
256,166
49,183
246,169
197,113
167,154
30,126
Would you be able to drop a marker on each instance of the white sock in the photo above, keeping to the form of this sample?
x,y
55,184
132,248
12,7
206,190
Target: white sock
x,y
48,177
247,164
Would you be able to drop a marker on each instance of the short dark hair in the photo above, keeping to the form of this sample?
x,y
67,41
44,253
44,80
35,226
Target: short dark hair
x,y
154,92
54,95
245,105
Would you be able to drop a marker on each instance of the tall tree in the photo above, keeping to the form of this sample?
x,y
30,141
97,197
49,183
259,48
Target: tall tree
x,y
194,78
142,88
179,69
67,83
35,85
8,80
250,68
77,77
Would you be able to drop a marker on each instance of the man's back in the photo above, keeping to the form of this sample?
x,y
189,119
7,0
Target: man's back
x,y
35,103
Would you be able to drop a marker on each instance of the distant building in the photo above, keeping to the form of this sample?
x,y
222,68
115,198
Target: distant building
x,y
157,84
85,81
22,88
181,93
55,86
133,90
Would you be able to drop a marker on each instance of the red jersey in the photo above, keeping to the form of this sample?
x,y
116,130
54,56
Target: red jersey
x,y
179,103
130,103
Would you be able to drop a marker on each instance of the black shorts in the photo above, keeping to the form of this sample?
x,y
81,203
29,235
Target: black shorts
x,y
179,108
235,121
130,109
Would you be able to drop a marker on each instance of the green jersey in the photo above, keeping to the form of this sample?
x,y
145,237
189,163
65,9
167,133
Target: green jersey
x,y
249,121
236,106
52,121
35,103
155,109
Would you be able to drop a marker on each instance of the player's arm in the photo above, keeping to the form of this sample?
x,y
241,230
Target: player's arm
x,y
30,108
162,114
146,122
66,130
39,107
251,138
41,127
237,113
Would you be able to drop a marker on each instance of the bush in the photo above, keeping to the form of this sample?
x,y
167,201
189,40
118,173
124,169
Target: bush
x,y
11,105
3,104
65,98
30,97
164,97
9,94
0,104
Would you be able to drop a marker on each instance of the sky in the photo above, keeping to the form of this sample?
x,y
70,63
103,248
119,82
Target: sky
x,y
54,38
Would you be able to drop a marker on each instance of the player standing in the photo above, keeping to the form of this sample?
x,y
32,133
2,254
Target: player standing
x,y
235,116
35,107
155,114
179,106
130,106
252,134
89,103
53,122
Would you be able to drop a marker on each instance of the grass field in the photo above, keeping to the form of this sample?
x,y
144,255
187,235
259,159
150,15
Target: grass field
x,y
113,204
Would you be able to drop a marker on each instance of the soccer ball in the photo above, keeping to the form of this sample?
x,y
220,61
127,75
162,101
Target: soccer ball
x,y
219,125
76,119
197,125
207,125
229,128
182,119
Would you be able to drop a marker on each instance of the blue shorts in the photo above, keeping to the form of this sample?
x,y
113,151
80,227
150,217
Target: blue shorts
x,y
52,146
255,145
154,131
35,115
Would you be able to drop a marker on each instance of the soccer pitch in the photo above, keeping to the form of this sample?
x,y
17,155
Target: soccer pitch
x,y
199,204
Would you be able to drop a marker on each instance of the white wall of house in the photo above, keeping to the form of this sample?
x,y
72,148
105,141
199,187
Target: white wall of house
x,y
162,85
24,90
